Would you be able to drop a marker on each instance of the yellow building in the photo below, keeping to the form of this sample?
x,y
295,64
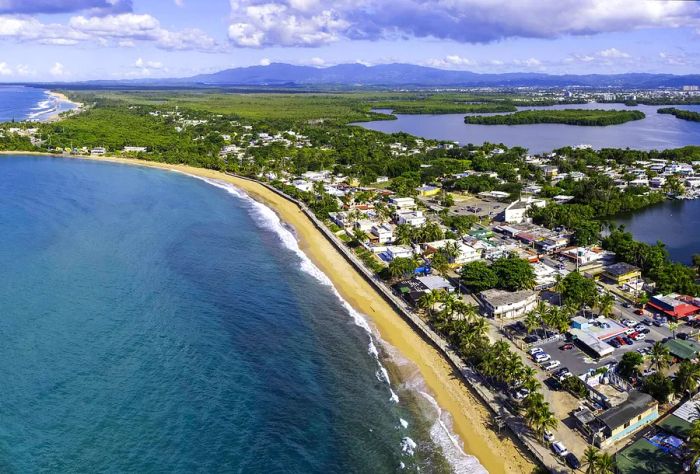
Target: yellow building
x,y
622,272
428,191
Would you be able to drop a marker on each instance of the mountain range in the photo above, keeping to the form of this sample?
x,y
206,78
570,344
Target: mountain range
x,y
398,75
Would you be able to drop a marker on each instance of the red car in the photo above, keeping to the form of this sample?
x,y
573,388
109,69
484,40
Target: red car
x,y
639,312
567,347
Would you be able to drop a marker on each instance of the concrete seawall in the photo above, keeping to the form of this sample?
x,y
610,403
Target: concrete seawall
x,y
469,376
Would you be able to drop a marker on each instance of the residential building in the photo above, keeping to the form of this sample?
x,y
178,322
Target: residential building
x,y
303,185
639,410
383,232
98,151
135,149
413,290
428,191
403,203
412,218
507,304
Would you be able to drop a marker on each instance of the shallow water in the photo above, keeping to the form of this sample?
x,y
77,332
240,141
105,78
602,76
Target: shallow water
x,y
154,322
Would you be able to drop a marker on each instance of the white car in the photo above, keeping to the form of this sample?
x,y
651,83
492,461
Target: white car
x,y
639,336
548,436
521,394
628,322
629,331
559,448
535,350
542,357
552,364
639,328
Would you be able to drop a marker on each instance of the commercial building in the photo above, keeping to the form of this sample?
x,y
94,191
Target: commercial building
x,y
671,305
593,333
516,211
622,272
428,191
507,304
414,289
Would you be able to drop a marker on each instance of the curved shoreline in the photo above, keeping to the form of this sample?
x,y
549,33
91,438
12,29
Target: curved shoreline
x,y
470,417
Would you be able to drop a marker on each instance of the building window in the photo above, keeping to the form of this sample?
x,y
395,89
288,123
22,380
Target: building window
x,y
627,424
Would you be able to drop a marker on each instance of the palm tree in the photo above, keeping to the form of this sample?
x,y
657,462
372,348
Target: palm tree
x,y
532,321
605,464
692,445
428,301
687,377
451,251
673,325
606,304
590,460
659,356
538,415
404,234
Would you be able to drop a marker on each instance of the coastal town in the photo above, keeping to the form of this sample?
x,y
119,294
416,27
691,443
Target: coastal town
x,y
582,341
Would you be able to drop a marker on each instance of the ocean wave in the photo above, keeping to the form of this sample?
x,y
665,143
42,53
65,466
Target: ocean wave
x,y
440,433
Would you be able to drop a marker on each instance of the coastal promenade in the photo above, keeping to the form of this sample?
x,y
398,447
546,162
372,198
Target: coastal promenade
x,y
500,412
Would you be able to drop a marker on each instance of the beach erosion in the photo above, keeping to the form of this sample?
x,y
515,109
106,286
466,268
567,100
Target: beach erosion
x,y
462,423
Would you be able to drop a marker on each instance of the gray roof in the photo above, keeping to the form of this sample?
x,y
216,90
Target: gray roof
x,y
621,268
498,298
636,404
434,282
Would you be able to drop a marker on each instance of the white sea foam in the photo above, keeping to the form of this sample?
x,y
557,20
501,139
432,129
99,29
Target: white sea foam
x,y
408,446
404,423
440,433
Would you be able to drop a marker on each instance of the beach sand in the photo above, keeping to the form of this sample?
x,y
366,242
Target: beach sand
x,y
470,417
54,116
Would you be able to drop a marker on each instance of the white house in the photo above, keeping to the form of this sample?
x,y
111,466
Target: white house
x,y
403,202
466,254
399,251
383,232
135,149
302,185
412,218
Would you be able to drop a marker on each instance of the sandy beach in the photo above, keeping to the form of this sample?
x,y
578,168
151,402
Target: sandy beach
x,y
62,98
470,418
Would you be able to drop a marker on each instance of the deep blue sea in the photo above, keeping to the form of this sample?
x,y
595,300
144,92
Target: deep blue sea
x,y
27,103
154,322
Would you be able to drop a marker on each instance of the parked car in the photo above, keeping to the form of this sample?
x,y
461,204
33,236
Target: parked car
x,y
645,331
640,336
548,436
628,322
646,321
535,350
531,339
683,335
639,311
629,331
567,347
614,343
541,357
572,461
626,304
559,448
552,364
521,394
639,328
628,341
621,340
658,323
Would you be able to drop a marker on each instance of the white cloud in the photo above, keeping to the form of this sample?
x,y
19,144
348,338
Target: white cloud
x,y
123,29
58,70
613,53
180,3
5,70
24,70
259,23
265,62
452,61
316,61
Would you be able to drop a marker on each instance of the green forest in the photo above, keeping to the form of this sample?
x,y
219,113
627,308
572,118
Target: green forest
x,y
681,114
584,117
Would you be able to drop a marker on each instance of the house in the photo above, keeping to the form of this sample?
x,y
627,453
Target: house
x,y
398,251
516,211
562,198
622,272
135,149
382,179
414,289
412,218
465,252
507,304
383,232
302,185
98,151
617,423
550,171
403,203
428,191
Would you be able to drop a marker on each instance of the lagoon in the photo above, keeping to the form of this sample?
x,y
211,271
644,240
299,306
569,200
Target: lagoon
x,y
656,131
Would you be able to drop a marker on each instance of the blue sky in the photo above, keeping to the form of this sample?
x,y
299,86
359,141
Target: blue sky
x,y
67,40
